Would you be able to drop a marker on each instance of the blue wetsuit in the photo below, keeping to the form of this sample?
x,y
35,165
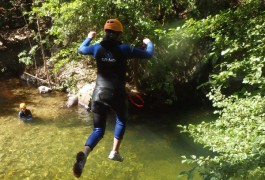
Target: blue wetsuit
x,y
25,115
111,57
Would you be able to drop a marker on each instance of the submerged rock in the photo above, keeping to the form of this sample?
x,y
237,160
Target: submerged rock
x,y
44,89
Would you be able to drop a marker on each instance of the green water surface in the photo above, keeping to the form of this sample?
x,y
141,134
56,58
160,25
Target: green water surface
x,y
46,148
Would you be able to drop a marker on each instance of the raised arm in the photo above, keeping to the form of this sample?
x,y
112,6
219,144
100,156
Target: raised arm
x,y
149,48
146,53
84,48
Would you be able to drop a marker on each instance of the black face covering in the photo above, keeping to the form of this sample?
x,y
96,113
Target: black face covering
x,y
109,44
111,35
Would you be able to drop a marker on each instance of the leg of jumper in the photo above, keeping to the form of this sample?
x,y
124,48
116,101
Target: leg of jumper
x,y
92,140
118,134
99,130
121,119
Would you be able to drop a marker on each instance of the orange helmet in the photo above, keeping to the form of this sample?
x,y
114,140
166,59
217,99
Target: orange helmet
x,y
114,25
22,106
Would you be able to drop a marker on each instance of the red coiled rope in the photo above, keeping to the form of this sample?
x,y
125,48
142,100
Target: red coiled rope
x,y
133,96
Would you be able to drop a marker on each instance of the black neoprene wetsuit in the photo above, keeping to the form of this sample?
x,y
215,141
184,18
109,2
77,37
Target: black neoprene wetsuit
x,y
110,91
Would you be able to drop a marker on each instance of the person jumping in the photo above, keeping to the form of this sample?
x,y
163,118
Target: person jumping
x,y
110,93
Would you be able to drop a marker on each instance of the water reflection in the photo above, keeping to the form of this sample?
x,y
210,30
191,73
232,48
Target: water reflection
x,y
46,148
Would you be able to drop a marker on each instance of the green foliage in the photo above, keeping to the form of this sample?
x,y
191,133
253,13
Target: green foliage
x,y
180,58
63,57
237,136
72,20
24,58
69,84
28,57
230,40
237,93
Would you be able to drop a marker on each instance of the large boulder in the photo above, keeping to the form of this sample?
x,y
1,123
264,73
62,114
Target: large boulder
x,y
83,96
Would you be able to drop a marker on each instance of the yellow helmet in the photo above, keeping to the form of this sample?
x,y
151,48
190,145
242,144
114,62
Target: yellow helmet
x,y
22,106
114,25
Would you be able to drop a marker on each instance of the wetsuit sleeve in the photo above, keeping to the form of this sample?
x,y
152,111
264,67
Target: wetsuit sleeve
x,y
150,49
85,48
133,52
20,114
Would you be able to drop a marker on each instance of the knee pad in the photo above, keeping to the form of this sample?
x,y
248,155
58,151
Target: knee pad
x,y
95,137
99,132
119,128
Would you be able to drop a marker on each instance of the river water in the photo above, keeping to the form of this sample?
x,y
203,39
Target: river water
x,y
46,148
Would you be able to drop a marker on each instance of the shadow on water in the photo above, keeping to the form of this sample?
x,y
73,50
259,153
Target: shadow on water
x,y
165,123
46,148
162,139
